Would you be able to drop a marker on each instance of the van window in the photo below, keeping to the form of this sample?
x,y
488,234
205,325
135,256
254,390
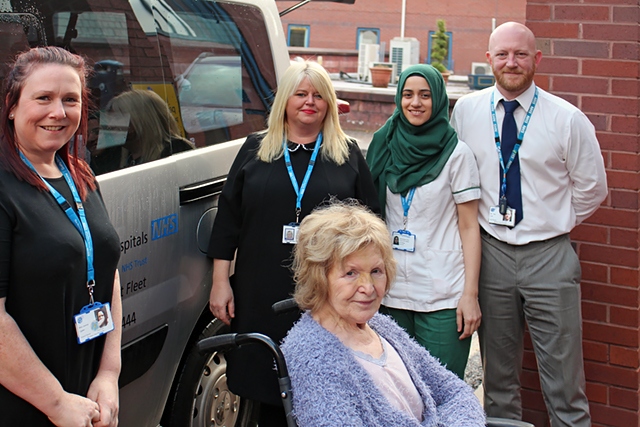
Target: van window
x,y
207,60
223,69
18,32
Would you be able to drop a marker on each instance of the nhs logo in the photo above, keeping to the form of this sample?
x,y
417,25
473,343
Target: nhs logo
x,y
163,227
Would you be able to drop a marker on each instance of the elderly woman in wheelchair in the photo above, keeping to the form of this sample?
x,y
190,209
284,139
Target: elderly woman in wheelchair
x,y
350,365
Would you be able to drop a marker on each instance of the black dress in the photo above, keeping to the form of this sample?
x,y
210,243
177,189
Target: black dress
x,y
257,200
43,278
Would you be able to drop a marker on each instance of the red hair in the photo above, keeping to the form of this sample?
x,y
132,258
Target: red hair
x,y
22,68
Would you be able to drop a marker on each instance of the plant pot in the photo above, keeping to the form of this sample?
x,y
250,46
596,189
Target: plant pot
x,y
445,76
380,76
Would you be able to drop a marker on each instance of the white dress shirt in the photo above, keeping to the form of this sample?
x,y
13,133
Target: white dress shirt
x,y
432,277
561,167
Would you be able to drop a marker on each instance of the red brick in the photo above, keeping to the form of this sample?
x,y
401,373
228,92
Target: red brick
x,y
597,393
581,49
590,233
581,13
624,276
555,29
625,161
609,105
624,238
621,50
569,97
622,257
595,351
625,14
577,84
542,81
594,312
556,65
617,142
553,1
616,2
594,272
611,294
616,32
609,68
623,199
599,121
624,87
530,379
611,334
622,179
622,398
624,316
613,417
528,344
538,12
613,375
529,360
614,217
625,124
537,418
624,357
533,400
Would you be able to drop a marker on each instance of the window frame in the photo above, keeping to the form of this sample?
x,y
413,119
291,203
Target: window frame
x,y
361,30
449,59
307,30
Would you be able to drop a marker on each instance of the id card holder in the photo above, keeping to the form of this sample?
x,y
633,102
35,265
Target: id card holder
x,y
290,233
403,240
508,219
93,321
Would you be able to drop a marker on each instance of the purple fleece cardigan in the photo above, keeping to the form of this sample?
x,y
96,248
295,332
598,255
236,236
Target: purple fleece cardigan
x,y
330,387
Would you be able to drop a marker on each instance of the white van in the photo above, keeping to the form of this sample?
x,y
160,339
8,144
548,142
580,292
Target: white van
x,y
216,64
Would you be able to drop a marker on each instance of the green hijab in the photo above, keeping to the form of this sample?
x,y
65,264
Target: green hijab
x,y
402,156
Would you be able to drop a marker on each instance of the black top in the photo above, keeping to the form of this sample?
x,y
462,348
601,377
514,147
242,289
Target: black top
x,y
43,277
257,200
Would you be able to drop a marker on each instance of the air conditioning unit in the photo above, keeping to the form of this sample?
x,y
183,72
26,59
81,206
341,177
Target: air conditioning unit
x,y
480,68
367,54
403,52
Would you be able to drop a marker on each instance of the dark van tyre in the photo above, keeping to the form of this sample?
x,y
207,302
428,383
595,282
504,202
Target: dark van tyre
x,y
200,396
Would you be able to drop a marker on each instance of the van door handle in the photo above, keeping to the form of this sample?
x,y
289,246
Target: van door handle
x,y
201,190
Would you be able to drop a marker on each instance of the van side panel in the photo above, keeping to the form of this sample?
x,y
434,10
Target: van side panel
x,y
215,64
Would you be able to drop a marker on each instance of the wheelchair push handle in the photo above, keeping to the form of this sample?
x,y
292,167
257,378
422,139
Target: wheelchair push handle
x,y
217,343
285,306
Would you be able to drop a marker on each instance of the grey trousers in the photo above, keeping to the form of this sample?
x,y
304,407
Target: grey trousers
x,y
538,283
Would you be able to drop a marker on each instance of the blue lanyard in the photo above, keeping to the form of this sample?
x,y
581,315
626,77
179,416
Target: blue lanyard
x,y
516,147
406,205
79,223
300,190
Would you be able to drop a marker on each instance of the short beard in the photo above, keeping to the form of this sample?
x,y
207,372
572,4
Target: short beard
x,y
518,85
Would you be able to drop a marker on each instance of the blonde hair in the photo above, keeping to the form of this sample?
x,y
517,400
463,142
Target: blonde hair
x,y
150,119
326,237
335,143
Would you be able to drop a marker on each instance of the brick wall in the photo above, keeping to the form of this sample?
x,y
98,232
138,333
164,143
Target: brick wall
x,y
334,25
590,58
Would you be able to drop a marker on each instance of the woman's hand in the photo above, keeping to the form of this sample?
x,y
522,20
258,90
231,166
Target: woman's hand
x,y
73,410
468,312
104,391
221,298
468,315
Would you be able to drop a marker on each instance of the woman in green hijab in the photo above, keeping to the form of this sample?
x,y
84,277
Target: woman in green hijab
x,y
429,184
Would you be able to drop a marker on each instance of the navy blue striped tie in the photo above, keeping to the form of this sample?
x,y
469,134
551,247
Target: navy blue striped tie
x,y
508,141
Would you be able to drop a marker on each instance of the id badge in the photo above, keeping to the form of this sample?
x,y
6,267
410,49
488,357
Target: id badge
x,y
403,240
290,233
93,321
508,219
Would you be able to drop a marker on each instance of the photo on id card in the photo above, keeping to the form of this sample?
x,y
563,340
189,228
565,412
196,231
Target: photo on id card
x,y
93,321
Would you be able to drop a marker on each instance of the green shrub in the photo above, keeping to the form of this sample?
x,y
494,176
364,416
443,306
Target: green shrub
x,y
439,47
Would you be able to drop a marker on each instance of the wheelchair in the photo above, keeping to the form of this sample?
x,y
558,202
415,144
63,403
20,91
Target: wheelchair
x,y
231,341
